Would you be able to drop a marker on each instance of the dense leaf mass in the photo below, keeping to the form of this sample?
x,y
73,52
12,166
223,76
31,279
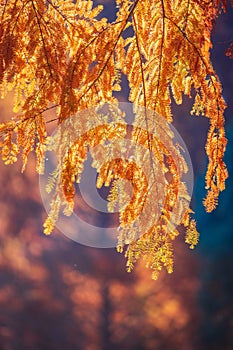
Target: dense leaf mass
x,y
62,56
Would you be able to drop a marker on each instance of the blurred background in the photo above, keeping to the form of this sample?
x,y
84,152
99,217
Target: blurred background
x,y
56,294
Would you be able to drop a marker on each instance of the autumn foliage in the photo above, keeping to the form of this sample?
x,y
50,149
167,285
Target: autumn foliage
x,y
63,56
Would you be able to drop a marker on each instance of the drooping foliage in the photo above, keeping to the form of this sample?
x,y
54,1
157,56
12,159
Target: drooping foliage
x,y
63,56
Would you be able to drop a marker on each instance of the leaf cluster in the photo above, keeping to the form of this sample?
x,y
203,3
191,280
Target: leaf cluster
x,y
61,55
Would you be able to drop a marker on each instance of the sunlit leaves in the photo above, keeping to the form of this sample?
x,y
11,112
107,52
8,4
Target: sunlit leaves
x,y
62,55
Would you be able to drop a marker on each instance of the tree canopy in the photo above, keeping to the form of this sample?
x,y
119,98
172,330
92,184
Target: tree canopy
x,y
64,56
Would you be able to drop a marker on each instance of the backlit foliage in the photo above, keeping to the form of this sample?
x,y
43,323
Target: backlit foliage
x,y
62,56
